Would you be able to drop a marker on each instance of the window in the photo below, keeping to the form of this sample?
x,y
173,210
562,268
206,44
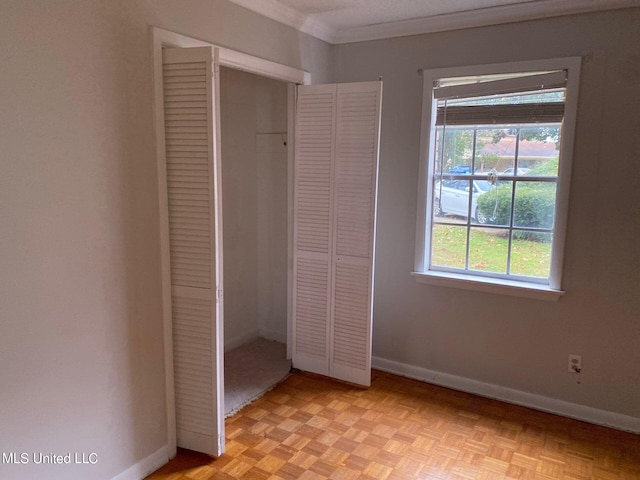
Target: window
x,y
496,154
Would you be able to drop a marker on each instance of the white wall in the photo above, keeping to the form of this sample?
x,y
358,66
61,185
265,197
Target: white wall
x,y
254,186
511,342
81,349
272,187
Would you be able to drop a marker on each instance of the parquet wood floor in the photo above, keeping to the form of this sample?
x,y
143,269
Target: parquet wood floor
x,y
313,428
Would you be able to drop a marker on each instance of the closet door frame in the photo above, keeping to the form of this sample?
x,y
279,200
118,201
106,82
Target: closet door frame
x,y
161,38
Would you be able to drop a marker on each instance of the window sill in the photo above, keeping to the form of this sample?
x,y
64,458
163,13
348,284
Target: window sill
x,y
489,285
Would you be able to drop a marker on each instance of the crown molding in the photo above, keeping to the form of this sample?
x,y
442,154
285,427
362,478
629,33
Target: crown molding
x,y
281,13
479,18
532,10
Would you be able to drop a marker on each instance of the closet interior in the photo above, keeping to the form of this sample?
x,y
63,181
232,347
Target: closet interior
x,y
253,122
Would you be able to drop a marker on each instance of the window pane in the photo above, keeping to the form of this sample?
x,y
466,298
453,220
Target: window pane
x,y
531,254
449,246
492,203
519,98
495,150
451,197
454,150
535,205
488,250
538,151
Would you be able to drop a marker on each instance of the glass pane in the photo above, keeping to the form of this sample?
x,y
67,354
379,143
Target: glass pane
x,y
538,151
454,150
448,246
531,253
535,204
488,249
511,98
437,157
491,204
436,187
451,198
495,150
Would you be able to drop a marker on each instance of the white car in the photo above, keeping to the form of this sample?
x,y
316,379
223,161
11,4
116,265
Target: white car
x,y
452,197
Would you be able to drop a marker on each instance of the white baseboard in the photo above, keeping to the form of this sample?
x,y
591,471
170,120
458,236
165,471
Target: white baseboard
x,y
231,343
145,466
273,335
509,395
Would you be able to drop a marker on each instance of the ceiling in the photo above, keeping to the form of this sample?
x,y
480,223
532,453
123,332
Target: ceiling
x,y
343,21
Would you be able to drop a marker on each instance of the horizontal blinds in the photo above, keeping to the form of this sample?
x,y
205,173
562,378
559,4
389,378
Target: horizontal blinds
x,y
501,114
492,114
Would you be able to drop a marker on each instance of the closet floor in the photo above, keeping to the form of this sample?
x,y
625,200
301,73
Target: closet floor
x,y
251,370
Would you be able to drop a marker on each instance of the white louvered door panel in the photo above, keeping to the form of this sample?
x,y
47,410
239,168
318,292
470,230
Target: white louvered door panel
x,y
314,143
336,165
192,176
356,173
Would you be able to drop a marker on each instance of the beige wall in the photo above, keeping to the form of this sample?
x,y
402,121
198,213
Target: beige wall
x,y
253,115
81,348
512,342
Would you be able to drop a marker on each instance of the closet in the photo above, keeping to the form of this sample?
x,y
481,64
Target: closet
x,y
222,138
253,127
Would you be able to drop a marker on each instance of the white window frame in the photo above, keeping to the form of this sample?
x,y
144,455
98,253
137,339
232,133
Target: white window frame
x,y
421,273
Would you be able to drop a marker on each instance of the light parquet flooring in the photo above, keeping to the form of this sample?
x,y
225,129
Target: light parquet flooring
x,y
312,428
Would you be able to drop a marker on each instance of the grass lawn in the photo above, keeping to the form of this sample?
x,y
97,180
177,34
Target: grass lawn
x,y
488,251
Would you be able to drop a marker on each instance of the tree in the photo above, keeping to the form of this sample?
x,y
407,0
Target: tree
x,y
548,168
458,147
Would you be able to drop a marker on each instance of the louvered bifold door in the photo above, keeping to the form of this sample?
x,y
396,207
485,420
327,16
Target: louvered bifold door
x,y
337,146
355,180
192,186
312,226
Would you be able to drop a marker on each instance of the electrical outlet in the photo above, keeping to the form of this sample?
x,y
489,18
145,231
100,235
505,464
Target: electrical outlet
x,y
575,363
